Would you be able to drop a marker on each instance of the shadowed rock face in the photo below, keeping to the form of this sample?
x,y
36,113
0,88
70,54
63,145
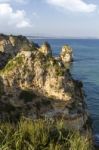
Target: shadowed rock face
x,y
36,85
1,87
66,54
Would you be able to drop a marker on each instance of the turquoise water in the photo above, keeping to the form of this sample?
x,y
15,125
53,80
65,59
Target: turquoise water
x,y
85,67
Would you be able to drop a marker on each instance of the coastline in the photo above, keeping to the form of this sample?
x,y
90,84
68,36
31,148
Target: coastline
x,y
46,87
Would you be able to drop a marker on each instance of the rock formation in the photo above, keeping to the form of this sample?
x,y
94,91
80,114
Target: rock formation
x,y
46,49
35,84
10,46
66,54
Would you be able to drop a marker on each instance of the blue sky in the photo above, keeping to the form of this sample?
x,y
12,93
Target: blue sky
x,y
73,18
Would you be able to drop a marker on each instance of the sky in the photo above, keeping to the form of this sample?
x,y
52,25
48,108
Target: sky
x,y
51,18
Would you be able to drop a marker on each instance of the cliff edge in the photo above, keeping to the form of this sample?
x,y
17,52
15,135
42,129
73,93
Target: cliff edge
x,y
35,84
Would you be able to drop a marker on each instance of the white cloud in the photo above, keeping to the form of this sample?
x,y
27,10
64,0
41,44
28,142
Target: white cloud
x,y
11,18
73,5
23,24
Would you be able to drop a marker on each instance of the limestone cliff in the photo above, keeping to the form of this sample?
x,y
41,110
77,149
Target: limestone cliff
x,y
37,85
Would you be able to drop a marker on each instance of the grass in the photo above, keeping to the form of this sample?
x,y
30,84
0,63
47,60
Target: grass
x,y
40,135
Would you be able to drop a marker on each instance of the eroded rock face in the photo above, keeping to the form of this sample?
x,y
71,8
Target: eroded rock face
x,y
66,54
36,85
1,87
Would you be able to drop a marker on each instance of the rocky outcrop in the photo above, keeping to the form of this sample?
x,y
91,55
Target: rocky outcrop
x,y
10,46
37,85
13,44
66,54
46,49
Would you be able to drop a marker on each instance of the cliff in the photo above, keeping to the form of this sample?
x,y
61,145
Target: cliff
x,y
10,46
35,84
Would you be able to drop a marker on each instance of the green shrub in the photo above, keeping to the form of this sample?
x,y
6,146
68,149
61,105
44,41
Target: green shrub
x,y
59,70
13,63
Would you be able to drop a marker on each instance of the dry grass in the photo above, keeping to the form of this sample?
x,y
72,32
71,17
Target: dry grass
x,y
40,135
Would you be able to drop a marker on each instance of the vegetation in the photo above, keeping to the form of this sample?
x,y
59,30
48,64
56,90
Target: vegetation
x,y
49,61
59,70
17,61
40,135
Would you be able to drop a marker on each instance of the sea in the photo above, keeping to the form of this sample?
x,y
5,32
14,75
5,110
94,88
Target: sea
x,y
85,68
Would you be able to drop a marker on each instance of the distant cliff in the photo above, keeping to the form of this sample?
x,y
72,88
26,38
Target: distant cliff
x,y
35,84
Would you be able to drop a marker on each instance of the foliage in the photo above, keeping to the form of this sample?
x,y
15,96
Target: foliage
x,y
17,61
40,135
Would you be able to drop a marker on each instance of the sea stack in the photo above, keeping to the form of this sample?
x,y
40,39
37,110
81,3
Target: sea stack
x,y
66,54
